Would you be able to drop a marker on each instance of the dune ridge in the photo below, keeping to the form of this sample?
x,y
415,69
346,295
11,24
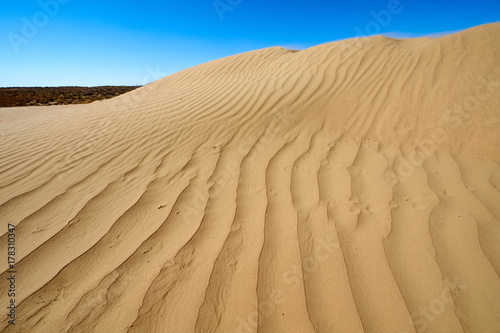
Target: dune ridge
x,y
350,187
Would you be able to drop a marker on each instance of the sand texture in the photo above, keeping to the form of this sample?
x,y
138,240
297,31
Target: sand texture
x,y
350,187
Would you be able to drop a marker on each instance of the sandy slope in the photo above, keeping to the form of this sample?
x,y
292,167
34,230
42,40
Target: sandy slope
x,y
350,187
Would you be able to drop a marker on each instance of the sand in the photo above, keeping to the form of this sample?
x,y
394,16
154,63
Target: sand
x,y
350,187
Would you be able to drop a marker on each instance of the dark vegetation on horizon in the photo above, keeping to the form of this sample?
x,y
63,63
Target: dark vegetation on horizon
x,y
35,96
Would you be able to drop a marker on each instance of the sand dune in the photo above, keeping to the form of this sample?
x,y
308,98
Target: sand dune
x,y
350,187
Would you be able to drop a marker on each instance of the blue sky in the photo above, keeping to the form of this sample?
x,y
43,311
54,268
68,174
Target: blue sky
x,y
109,42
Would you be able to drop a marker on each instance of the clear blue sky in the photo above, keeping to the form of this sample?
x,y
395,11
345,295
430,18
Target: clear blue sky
x,y
110,42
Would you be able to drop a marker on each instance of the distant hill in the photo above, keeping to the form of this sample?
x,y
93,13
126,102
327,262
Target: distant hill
x,y
35,96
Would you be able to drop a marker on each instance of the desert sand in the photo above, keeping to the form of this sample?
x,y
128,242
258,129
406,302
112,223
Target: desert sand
x,y
350,187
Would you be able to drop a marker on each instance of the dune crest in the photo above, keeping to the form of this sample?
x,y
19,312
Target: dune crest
x,y
350,187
